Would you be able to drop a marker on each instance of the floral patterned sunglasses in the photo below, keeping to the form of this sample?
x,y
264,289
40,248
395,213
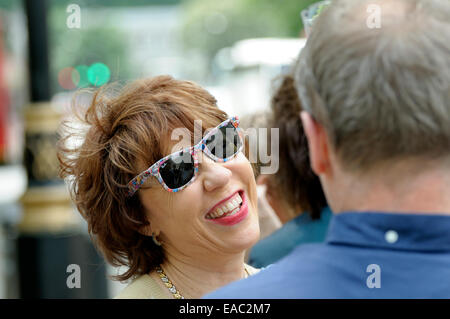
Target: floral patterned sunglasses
x,y
178,170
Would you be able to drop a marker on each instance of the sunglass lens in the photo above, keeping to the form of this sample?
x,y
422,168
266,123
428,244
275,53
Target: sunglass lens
x,y
178,170
225,142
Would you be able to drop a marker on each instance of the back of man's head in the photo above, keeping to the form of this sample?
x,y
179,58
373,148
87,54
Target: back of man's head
x,y
376,75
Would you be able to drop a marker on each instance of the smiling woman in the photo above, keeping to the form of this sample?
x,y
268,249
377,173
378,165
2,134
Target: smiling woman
x,y
180,217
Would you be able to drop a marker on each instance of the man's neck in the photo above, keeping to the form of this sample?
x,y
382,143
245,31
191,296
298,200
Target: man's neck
x,y
398,191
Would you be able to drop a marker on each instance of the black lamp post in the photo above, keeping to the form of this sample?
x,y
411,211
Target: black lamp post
x,y
50,237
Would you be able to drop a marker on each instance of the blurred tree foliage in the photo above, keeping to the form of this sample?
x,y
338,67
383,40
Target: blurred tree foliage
x,y
241,19
101,41
113,3
98,42
7,4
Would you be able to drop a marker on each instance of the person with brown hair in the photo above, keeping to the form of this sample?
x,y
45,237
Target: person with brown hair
x,y
295,180
294,192
179,217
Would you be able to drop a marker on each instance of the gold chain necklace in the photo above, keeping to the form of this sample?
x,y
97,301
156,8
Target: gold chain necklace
x,y
173,290
175,293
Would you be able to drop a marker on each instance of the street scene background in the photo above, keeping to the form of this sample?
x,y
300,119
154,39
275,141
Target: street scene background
x,y
234,48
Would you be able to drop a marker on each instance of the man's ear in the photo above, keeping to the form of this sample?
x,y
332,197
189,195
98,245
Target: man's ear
x,y
318,144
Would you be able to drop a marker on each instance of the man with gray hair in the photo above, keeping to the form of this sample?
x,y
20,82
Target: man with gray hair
x,y
374,79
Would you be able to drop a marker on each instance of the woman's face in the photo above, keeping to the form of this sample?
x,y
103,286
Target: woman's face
x,y
188,221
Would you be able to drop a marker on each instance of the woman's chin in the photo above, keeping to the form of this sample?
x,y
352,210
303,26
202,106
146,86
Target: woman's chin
x,y
246,239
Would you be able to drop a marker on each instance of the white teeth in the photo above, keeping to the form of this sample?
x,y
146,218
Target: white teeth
x,y
234,211
231,206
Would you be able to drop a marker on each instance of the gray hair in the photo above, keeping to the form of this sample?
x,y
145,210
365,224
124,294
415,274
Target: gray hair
x,y
381,93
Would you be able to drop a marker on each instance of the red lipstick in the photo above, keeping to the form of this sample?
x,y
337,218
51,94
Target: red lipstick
x,y
227,220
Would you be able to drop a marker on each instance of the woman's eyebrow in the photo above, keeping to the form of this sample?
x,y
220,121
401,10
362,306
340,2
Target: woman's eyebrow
x,y
176,148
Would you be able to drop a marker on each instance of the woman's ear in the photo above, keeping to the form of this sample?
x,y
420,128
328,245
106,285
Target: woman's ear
x,y
148,230
145,230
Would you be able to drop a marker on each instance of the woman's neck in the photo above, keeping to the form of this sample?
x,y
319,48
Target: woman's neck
x,y
194,278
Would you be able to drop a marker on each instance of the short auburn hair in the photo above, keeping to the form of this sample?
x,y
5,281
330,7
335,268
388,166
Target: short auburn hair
x,y
295,181
124,132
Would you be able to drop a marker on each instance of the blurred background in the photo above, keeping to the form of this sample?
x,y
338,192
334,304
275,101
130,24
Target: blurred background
x,y
51,48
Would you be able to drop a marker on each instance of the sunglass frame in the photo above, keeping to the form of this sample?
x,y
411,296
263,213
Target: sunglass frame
x,y
153,170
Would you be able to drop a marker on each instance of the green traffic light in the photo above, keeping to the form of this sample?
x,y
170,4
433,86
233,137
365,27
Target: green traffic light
x,y
80,77
98,74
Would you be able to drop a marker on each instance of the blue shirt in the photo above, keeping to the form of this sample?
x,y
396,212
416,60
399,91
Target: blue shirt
x,y
405,255
299,230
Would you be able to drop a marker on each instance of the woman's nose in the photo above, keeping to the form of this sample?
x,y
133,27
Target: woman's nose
x,y
215,175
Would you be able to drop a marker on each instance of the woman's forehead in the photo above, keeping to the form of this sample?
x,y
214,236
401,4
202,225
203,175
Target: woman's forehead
x,y
173,143
181,137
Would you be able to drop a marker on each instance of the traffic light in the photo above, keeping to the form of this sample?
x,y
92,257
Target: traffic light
x,y
82,76
98,74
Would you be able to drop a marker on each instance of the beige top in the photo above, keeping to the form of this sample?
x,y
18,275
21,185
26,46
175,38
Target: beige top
x,y
151,287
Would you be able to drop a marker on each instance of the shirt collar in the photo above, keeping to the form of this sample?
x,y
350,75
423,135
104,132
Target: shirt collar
x,y
398,231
